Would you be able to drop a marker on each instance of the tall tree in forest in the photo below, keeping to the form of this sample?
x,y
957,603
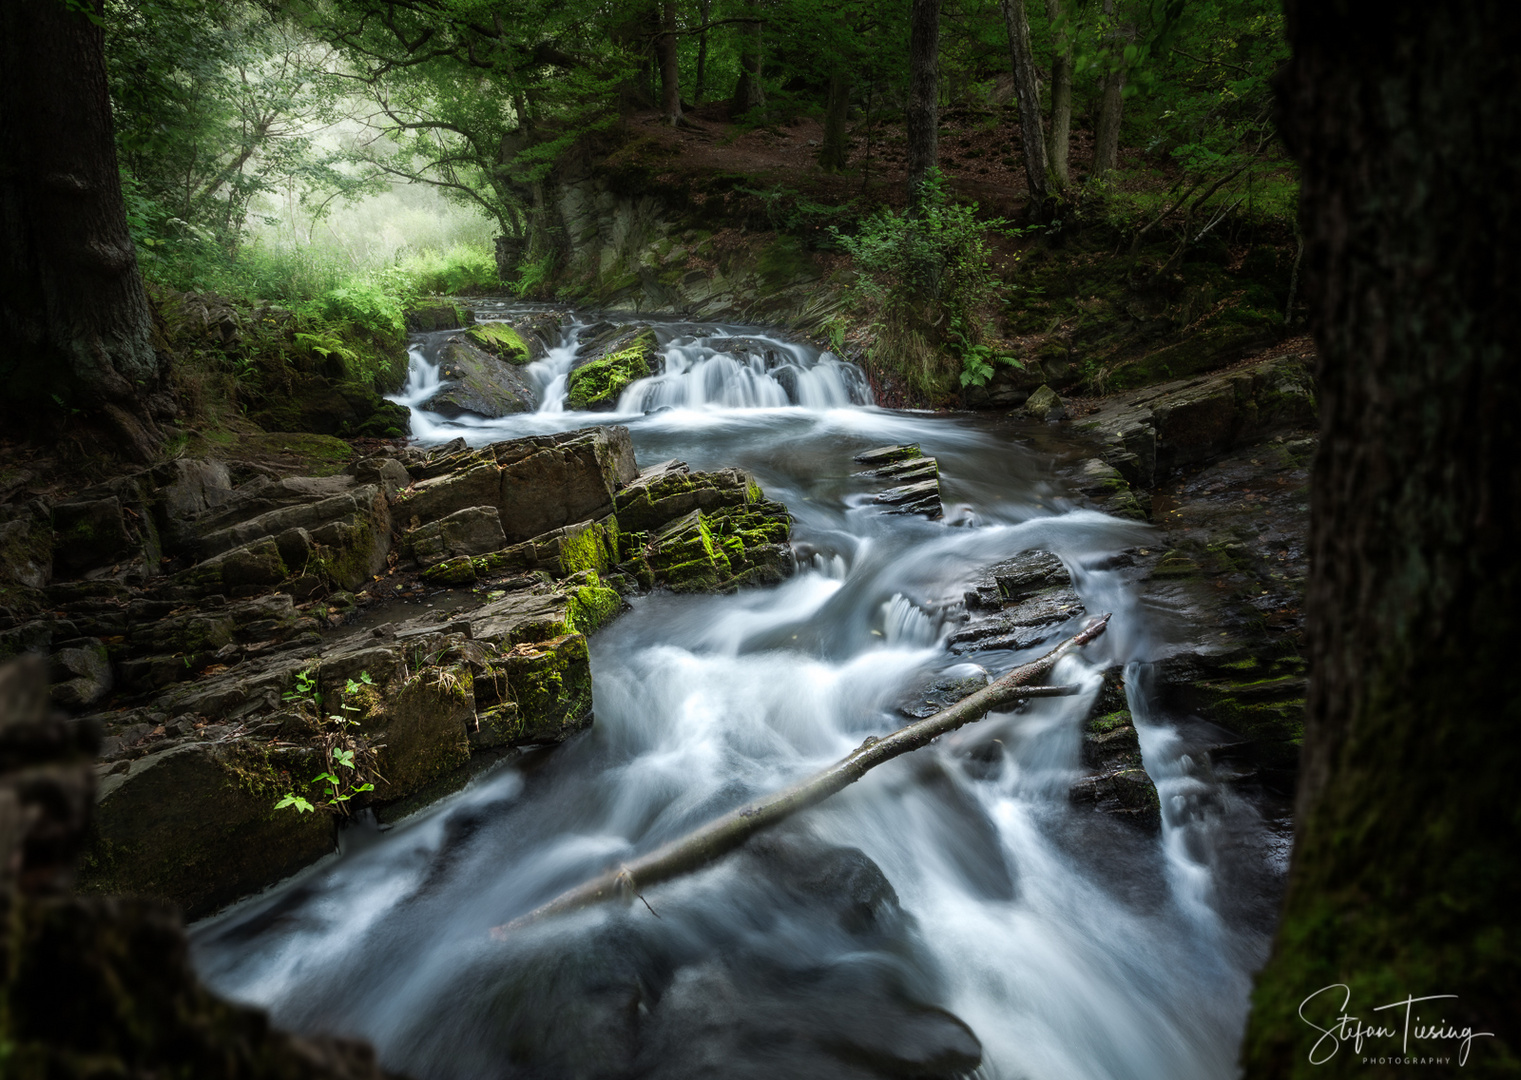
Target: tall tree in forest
x,y
1017,23
1106,133
923,112
1404,876
1059,137
72,305
749,92
670,65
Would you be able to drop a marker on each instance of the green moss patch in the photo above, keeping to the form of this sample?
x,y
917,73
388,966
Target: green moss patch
x,y
501,340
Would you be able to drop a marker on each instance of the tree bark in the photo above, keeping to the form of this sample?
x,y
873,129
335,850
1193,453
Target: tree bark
x,y
704,12
923,113
749,93
1028,87
722,835
1404,876
834,154
670,66
1059,138
1106,134
72,304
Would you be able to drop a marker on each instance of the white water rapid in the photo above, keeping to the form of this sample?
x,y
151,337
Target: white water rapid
x,y
1071,946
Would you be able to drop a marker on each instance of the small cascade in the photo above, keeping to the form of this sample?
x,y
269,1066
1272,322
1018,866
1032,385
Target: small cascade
x,y
751,372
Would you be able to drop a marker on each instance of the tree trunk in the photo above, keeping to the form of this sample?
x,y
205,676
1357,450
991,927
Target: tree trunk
x,y
748,92
72,306
923,113
705,11
1059,138
834,154
1404,876
1018,25
1106,134
670,66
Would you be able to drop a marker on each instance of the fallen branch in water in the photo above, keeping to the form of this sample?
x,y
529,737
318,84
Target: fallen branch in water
x,y
722,835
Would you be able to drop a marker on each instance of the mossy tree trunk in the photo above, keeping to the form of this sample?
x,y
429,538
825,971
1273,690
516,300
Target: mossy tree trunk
x,y
1405,875
705,12
72,307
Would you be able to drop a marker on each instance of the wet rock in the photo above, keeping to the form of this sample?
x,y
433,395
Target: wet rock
x,y
1126,794
478,383
669,490
727,549
1104,482
472,531
502,341
1044,405
887,455
81,673
608,365
1022,624
919,498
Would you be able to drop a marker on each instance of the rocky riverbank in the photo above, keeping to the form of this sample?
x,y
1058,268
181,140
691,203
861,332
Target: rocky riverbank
x,y
232,640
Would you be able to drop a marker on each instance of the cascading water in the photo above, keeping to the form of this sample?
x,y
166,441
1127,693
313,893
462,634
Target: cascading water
x,y
1067,944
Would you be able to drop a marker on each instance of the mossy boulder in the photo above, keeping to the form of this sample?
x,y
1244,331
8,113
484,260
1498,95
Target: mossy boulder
x,y
597,383
669,491
730,548
196,824
502,341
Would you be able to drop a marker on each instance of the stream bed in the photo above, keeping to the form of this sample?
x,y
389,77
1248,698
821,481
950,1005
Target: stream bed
x,y
951,914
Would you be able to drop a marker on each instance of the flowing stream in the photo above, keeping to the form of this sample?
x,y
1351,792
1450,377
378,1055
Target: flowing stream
x,y
951,898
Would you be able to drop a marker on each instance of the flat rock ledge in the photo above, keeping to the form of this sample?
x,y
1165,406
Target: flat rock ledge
x,y
230,642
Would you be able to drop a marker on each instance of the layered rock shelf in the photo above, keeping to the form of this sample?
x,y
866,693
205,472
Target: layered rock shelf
x,y
232,641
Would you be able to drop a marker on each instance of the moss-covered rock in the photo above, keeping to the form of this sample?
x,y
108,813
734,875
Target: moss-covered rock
x,y
197,825
732,547
597,384
502,341
478,383
551,685
668,491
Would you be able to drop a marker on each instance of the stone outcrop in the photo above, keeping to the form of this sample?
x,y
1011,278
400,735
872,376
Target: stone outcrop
x,y
478,382
208,629
608,361
103,986
915,479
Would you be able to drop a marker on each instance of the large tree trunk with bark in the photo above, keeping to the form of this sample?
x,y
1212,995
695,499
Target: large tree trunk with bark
x,y
72,307
1405,875
834,154
749,93
1059,138
923,113
670,66
1017,23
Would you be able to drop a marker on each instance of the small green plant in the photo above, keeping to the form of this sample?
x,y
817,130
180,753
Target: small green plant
x,y
978,359
349,759
834,331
